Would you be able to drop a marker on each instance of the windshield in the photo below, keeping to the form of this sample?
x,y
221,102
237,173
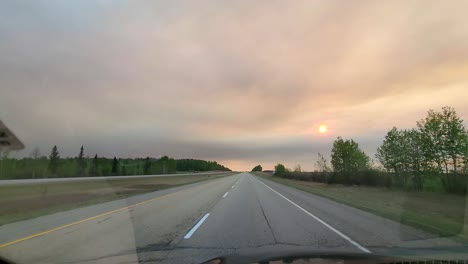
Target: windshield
x,y
183,131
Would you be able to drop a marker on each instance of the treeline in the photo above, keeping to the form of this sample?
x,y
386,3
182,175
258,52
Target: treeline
x,y
39,166
430,157
199,165
438,146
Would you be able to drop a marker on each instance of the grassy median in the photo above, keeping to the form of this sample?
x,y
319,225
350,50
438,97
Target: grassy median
x,y
24,201
439,213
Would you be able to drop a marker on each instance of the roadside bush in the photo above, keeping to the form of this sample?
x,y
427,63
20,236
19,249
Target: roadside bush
x,y
309,176
425,182
455,183
364,177
280,170
372,178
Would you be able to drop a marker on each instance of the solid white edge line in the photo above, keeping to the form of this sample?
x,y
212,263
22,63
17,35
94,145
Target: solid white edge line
x,y
321,221
190,233
225,194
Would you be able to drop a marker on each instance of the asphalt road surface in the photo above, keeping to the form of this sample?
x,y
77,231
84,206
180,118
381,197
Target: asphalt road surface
x,y
233,215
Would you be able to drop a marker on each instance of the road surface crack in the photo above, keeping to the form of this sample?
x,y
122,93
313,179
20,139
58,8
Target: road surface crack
x,y
122,253
104,220
266,218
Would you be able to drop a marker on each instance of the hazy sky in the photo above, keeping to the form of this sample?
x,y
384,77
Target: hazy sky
x,y
240,82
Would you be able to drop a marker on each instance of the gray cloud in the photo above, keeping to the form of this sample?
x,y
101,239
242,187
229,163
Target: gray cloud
x,y
202,79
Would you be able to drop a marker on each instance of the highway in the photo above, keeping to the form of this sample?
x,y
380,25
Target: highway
x,y
236,214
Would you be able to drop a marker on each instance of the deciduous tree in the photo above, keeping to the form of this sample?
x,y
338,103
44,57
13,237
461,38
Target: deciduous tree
x,y
347,156
444,140
35,153
322,163
444,143
257,168
298,168
280,169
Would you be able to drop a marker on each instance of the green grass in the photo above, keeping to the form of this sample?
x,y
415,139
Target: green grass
x,y
438,213
24,201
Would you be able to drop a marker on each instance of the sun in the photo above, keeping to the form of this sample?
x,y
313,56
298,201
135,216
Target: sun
x,y
322,129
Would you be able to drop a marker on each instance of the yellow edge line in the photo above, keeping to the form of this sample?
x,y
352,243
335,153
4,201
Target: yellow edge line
x,y
82,221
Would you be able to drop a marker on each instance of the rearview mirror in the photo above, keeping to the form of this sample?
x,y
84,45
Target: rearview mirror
x,y
8,140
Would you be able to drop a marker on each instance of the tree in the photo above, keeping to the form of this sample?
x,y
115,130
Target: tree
x,y
147,166
298,168
115,166
465,159
54,159
444,140
35,153
393,154
168,165
347,157
3,157
81,163
322,164
389,154
198,165
444,145
415,157
94,171
257,168
280,169
401,154
164,161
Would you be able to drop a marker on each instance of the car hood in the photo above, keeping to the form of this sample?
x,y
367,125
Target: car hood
x,y
385,255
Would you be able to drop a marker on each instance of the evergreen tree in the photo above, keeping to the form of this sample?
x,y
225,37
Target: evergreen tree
x,y
147,166
115,167
54,159
81,162
94,166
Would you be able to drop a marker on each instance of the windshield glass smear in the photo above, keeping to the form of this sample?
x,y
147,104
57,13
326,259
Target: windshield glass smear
x,y
233,132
